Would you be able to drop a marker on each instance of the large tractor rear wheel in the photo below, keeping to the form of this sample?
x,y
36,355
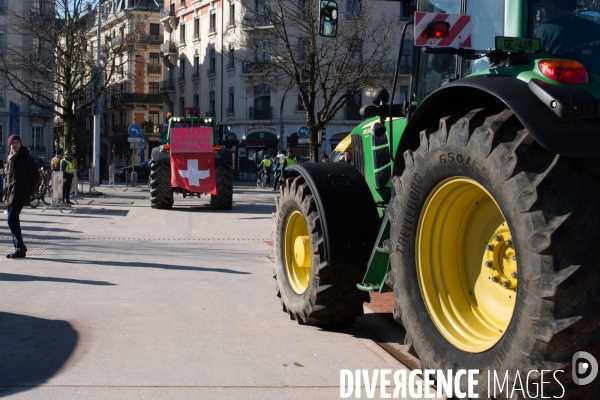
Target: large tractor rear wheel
x,y
496,248
161,194
311,290
224,178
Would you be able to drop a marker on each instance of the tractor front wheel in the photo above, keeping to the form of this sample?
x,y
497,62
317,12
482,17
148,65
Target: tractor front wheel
x,y
311,290
224,180
495,258
161,194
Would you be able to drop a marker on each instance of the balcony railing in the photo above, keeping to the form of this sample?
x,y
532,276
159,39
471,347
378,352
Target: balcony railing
x,y
254,67
212,30
167,12
229,110
256,20
388,67
168,47
154,69
210,113
168,85
196,35
37,147
37,110
351,113
230,66
210,71
180,79
130,98
151,39
195,75
260,114
230,24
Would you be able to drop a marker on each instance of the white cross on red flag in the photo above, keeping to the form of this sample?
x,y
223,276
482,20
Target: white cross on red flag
x,y
194,172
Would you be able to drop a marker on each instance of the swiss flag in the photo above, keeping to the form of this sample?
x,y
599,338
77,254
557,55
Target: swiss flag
x,y
194,172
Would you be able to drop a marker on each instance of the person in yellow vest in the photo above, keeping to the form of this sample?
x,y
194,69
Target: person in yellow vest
x,y
291,158
66,165
265,168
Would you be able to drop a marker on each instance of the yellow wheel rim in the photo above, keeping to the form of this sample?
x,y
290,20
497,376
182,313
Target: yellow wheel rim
x,y
297,252
466,264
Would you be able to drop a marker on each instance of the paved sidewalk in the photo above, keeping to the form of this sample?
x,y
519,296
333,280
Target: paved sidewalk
x,y
119,301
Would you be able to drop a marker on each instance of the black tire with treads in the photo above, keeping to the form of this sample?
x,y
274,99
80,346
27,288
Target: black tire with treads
x,y
552,206
161,194
331,296
224,181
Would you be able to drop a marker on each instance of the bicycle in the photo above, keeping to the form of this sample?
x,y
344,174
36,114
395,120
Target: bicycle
x,y
43,190
262,179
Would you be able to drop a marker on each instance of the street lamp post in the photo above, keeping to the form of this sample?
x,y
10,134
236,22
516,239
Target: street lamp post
x,y
98,105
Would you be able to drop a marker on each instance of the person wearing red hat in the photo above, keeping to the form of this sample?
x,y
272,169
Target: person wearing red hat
x,y
22,176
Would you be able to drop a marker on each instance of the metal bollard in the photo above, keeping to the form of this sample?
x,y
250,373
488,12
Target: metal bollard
x,y
134,180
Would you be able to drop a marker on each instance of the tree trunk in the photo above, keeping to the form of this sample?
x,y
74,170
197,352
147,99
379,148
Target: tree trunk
x,y
68,134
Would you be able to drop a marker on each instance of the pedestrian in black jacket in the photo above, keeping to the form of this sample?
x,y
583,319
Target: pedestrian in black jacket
x,y
22,177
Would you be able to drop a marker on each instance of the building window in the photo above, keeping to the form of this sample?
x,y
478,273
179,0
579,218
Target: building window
x,y
154,117
355,50
2,5
154,66
182,33
263,50
2,97
213,21
211,103
352,9
36,138
403,94
155,29
231,13
231,56
197,27
262,102
353,104
212,62
181,106
181,69
154,87
231,101
196,101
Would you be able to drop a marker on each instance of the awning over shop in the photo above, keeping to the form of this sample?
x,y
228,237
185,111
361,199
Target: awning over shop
x,y
271,143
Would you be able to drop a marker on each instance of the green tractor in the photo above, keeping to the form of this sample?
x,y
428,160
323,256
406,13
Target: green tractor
x,y
477,202
191,162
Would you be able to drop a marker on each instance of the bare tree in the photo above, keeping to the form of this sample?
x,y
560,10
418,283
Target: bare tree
x,y
327,72
54,68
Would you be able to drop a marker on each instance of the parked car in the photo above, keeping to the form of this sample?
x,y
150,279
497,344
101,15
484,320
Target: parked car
x,y
143,171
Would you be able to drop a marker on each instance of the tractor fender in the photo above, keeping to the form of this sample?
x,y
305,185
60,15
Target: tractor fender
x,y
160,156
223,156
578,138
347,212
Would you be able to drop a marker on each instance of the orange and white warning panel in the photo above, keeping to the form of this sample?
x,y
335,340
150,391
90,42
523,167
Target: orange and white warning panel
x,y
459,33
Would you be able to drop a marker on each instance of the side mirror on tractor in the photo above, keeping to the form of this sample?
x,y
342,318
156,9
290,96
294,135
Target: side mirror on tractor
x,y
328,18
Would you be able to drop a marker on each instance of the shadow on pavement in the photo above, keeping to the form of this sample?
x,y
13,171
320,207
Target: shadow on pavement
x,y
29,278
32,350
148,265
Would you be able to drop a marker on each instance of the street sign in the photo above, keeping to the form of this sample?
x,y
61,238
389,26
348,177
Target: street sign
x,y
134,130
302,140
133,139
132,145
141,144
303,131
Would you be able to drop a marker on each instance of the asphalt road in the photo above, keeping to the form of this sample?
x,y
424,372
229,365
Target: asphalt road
x,y
119,301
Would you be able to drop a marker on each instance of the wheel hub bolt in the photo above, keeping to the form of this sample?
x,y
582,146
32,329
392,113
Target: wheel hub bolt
x,y
498,238
489,247
506,283
514,275
509,242
489,263
495,279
